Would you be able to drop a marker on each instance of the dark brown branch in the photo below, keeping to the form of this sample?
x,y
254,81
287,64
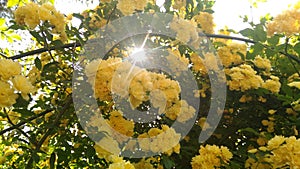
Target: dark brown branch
x,y
77,44
26,121
228,37
41,50
55,122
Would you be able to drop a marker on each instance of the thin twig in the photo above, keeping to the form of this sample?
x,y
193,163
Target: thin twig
x,y
26,121
41,50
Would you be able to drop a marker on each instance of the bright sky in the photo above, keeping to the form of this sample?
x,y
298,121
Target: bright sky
x,y
227,12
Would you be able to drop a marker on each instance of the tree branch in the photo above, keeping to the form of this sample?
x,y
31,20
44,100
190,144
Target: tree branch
x,y
24,122
41,50
77,44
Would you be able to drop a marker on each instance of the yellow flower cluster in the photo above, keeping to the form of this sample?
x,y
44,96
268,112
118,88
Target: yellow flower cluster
x,y
32,14
201,65
160,140
119,163
232,53
287,22
177,63
121,125
180,110
243,78
211,156
262,63
205,20
178,4
272,84
280,152
12,81
127,7
138,85
186,30
148,164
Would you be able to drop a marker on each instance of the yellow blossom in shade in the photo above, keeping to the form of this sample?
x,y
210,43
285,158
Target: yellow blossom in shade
x,y
245,99
272,84
205,20
294,84
198,63
121,125
243,78
262,63
272,111
203,124
177,4
129,6
23,85
9,68
143,164
211,156
2,159
7,95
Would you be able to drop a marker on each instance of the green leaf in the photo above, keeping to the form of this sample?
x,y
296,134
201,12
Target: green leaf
x,y
11,3
167,162
2,21
250,130
38,63
297,48
259,34
247,32
52,160
52,1
273,40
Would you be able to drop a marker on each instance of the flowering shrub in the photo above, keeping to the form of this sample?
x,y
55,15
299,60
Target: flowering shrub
x,y
138,107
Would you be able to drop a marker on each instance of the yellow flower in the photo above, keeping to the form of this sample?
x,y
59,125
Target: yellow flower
x,y
129,6
275,142
23,85
9,68
294,84
205,20
262,63
177,4
2,159
287,22
232,53
272,84
7,95
28,15
211,156
243,78
186,30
